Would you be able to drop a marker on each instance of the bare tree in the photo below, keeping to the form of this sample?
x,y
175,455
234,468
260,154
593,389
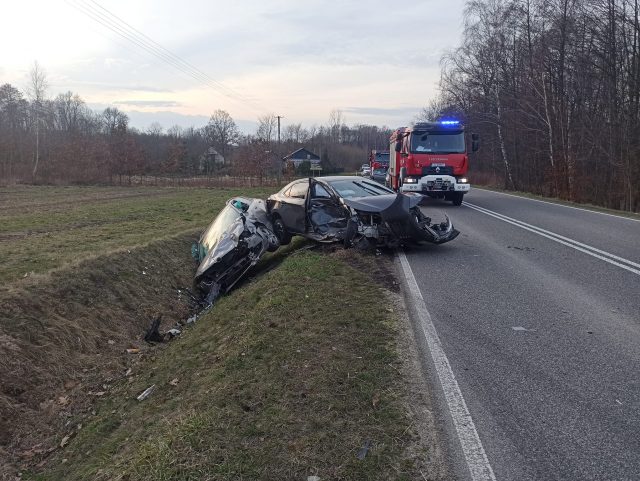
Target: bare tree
x,y
267,125
221,132
336,120
37,90
114,120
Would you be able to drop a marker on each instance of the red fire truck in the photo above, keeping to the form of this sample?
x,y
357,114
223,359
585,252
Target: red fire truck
x,y
431,158
378,160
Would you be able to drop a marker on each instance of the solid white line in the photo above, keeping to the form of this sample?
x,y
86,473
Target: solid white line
x,y
560,205
568,239
475,456
572,243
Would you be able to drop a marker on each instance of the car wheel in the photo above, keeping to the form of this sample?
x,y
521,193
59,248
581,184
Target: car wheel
x,y
457,198
281,231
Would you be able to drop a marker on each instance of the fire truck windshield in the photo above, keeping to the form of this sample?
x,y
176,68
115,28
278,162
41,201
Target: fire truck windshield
x,y
437,143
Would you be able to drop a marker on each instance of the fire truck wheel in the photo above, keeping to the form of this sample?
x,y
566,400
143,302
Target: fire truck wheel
x,y
456,197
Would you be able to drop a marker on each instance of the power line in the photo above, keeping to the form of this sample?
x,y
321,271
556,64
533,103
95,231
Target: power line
x,y
129,33
167,52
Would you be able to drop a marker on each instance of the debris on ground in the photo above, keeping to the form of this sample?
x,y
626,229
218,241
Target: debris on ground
x,y
364,450
65,440
174,382
146,393
153,333
174,332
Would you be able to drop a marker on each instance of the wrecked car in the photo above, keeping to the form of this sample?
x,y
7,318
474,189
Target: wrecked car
x,y
346,209
234,242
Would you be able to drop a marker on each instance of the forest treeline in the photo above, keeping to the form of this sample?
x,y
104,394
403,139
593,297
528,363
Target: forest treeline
x,y
61,140
553,87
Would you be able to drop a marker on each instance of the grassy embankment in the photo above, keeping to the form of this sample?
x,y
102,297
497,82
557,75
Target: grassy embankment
x,y
288,376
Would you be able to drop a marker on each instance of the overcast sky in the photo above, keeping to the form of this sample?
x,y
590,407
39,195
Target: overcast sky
x,y
377,61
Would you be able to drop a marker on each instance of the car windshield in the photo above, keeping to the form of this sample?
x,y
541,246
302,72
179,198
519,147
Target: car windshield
x,y
380,171
220,225
358,188
440,143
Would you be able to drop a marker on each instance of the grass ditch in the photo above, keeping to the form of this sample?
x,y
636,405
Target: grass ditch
x,y
287,377
100,263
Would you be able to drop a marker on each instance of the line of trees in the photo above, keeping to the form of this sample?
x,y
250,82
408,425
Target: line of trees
x,y
553,86
61,140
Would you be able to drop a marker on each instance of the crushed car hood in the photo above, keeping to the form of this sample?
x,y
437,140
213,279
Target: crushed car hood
x,y
378,203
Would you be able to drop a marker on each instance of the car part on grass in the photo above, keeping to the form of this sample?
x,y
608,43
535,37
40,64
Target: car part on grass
x,y
153,333
234,242
346,209
146,393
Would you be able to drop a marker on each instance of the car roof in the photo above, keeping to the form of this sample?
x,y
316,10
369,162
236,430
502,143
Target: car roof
x,y
331,178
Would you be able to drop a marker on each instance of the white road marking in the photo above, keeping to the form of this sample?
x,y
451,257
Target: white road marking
x,y
561,205
574,244
475,456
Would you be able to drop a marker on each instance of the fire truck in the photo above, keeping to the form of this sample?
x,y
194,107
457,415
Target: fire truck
x,y
431,158
378,160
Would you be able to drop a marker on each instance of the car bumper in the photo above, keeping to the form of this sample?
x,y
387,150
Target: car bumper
x,y
436,183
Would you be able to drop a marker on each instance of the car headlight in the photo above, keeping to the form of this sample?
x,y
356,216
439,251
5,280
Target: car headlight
x,y
410,180
462,180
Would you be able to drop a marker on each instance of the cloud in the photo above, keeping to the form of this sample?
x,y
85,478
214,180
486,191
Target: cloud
x,y
149,103
106,86
395,111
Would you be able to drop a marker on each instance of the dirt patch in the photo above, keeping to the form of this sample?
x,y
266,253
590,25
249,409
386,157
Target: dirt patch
x,y
64,335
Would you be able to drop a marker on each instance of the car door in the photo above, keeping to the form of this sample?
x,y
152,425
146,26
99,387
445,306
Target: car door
x,y
292,207
325,214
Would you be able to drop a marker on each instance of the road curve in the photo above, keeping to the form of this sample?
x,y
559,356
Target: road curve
x,y
537,308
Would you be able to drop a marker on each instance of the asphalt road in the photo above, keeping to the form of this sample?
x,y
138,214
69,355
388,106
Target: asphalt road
x,y
543,339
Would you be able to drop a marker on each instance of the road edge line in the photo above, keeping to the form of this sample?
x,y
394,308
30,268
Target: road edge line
x,y
472,448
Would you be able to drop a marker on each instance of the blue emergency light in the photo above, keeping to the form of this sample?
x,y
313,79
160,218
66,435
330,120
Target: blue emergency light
x,y
449,122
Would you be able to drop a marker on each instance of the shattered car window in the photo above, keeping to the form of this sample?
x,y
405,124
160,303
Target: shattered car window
x,y
299,190
348,188
320,192
227,216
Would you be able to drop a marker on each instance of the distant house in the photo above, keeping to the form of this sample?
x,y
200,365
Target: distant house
x,y
210,160
214,157
301,155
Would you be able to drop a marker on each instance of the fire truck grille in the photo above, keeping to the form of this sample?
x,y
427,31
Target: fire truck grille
x,y
432,170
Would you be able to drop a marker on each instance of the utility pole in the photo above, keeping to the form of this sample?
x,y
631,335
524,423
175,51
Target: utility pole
x,y
279,117
279,153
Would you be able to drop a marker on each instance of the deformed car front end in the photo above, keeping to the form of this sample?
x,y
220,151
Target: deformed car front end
x,y
396,221
234,242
